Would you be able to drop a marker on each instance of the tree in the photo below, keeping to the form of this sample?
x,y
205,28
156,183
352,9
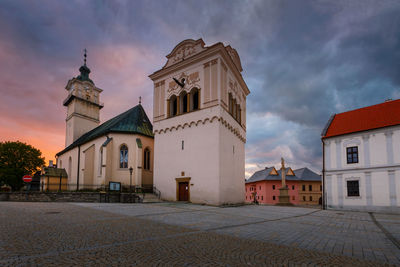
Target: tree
x,y
16,160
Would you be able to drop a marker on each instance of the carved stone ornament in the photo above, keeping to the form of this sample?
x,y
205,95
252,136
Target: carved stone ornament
x,y
235,57
190,79
184,50
233,86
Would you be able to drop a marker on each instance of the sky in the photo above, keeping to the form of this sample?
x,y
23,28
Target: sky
x,y
302,61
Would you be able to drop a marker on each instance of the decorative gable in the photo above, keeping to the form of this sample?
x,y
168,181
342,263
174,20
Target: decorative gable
x,y
290,172
235,57
273,171
184,50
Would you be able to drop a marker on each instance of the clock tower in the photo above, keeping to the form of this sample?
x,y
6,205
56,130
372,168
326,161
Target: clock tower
x,y
83,105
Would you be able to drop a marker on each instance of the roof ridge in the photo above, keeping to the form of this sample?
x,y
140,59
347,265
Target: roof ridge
x,y
368,107
111,125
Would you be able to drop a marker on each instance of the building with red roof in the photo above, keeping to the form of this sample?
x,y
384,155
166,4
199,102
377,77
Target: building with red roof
x,y
361,159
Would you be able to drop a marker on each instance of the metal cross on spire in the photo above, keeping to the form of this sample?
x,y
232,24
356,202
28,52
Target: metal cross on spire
x,y
84,60
140,100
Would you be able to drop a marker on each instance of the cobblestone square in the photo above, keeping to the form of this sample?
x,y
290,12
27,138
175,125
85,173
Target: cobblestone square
x,y
180,234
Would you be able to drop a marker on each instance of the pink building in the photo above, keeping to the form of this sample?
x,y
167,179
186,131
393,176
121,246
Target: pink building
x,y
264,186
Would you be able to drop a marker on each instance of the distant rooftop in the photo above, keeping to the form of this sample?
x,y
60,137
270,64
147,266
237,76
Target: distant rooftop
x,y
303,174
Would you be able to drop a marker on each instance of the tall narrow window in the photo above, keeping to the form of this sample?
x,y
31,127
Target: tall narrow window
x,y
183,145
101,161
230,103
352,154
303,187
195,99
123,157
146,163
183,102
69,167
310,187
173,106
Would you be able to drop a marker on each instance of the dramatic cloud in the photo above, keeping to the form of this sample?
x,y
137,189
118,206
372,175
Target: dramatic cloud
x,y
302,60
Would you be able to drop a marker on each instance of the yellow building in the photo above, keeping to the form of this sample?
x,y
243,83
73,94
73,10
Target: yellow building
x,y
54,179
310,192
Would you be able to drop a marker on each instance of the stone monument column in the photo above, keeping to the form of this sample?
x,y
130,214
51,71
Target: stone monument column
x,y
284,199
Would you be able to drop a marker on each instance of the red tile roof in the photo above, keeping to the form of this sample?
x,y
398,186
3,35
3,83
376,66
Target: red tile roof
x,y
367,118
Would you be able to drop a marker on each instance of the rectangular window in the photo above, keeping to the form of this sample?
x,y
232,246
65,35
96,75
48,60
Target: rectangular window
x,y
273,197
304,198
183,144
262,198
352,154
320,188
273,187
353,188
304,187
310,198
310,187
260,187
293,198
292,187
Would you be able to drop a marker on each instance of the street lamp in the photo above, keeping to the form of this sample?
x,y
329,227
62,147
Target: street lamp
x,y
130,183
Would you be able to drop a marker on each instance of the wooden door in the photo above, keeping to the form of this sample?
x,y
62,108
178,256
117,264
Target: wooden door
x,y
183,191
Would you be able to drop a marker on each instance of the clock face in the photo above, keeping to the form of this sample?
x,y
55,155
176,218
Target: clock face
x,y
86,88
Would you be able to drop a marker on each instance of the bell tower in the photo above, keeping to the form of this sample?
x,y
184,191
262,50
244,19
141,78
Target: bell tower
x,y
199,124
83,105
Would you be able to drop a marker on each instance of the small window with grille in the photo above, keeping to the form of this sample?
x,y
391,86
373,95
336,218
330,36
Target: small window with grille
x,y
353,188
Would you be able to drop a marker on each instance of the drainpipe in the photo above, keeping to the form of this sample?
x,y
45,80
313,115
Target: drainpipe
x,y
323,176
79,161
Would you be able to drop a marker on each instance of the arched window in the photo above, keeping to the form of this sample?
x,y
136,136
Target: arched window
x,y
194,99
146,161
101,161
70,167
173,106
183,99
123,157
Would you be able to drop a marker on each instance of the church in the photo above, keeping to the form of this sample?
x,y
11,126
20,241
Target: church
x,y
119,150
199,125
197,140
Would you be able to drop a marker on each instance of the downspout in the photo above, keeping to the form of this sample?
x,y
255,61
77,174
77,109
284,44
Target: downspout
x,y
323,176
79,161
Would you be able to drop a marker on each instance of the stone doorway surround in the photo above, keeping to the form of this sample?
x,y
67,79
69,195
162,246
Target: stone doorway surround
x,y
182,180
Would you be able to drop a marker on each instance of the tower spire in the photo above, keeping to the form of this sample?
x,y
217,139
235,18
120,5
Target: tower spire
x,y
84,70
84,55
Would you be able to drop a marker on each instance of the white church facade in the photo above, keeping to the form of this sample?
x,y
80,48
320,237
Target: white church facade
x,y
96,154
361,159
199,125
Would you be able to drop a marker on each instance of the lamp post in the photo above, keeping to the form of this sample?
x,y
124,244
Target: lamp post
x,y
130,178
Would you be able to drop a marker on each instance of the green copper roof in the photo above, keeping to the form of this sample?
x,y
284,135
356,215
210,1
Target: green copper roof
x,y
133,121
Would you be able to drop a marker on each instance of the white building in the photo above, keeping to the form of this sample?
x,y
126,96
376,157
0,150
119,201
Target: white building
x,y
361,151
96,154
200,124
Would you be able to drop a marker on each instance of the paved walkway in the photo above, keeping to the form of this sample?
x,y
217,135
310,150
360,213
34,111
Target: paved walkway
x,y
176,234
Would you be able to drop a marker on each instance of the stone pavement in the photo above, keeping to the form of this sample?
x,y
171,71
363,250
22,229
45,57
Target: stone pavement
x,y
177,234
